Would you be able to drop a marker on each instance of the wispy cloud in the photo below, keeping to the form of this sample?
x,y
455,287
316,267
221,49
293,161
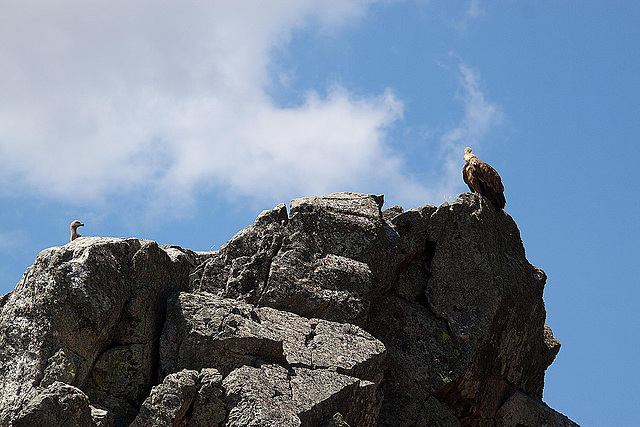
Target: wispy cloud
x,y
473,12
480,117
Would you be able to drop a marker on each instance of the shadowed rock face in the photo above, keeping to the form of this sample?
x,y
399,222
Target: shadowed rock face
x,y
336,313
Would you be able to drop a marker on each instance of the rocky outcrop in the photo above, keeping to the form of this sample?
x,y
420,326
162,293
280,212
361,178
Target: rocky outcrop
x,y
89,315
319,262
335,313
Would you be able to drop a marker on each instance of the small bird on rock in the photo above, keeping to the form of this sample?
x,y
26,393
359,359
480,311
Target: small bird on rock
x,y
74,230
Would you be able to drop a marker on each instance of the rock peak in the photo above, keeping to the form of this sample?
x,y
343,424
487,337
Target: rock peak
x,y
335,313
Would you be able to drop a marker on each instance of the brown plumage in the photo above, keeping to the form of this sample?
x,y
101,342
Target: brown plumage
x,y
483,179
74,230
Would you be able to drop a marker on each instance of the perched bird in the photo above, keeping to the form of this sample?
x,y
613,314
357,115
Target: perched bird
x,y
483,179
74,230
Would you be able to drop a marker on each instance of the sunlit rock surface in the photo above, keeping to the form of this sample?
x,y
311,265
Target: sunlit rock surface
x,y
336,312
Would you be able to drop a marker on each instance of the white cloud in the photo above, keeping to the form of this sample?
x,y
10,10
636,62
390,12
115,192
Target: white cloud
x,y
474,10
325,144
167,99
99,98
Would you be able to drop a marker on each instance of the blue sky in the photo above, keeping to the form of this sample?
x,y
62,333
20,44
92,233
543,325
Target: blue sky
x,y
180,121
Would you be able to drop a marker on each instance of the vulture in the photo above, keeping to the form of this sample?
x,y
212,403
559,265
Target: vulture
x,y
74,230
483,179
